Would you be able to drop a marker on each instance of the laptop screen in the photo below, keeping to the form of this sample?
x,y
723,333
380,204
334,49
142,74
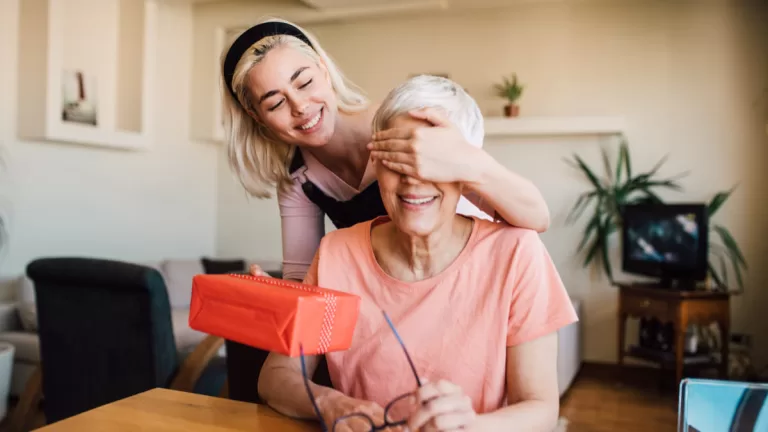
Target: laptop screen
x,y
722,406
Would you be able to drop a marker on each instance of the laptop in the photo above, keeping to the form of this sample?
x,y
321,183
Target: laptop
x,y
722,406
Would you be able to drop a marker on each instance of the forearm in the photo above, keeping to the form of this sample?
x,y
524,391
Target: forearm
x,y
516,199
531,415
283,389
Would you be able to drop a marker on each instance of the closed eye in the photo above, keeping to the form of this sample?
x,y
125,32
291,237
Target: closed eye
x,y
277,105
274,107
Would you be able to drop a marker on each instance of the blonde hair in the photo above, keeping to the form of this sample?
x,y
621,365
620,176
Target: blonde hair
x,y
258,159
425,91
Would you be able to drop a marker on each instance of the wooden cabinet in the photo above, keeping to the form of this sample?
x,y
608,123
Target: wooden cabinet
x,y
680,308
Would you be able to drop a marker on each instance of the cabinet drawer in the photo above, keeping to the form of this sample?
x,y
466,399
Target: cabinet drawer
x,y
645,306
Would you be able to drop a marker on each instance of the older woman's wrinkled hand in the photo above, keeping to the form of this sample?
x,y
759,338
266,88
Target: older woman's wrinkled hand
x,y
443,406
340,405
437,154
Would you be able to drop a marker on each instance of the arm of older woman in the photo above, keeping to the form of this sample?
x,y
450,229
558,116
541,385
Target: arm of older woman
x,y
532,394
442,155
281,386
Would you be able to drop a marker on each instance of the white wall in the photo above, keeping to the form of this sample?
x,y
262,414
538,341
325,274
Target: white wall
x,y
688,78
63,199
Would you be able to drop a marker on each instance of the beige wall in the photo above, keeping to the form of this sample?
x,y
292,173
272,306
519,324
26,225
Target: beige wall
x,y
687,78
62,199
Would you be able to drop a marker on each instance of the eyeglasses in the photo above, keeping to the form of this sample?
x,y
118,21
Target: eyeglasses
x,y
390,417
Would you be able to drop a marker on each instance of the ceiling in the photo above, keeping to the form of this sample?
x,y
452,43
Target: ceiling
x,y
330,10
330,4
342,4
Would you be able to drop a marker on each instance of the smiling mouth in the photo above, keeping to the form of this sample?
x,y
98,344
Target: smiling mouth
x,y
314,121
412,202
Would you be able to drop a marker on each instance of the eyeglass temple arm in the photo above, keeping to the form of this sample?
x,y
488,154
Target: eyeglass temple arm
x,y
405,350
309,391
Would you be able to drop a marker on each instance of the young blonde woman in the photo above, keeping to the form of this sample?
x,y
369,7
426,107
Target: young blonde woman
x,y
294,122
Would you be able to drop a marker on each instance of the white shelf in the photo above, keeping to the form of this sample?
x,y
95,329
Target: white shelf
x,y
553,126
84,80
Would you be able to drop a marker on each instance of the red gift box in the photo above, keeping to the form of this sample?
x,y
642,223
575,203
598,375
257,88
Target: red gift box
x,y
273,314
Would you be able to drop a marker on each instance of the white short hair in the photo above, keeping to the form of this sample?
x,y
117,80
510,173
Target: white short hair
x,y
428,91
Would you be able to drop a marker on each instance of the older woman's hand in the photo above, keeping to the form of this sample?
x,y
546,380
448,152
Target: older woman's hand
x,y
438,154
340,405
443,406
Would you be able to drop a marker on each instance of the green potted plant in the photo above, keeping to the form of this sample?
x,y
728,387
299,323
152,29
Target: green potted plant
x,y
727,250
511,90
619,187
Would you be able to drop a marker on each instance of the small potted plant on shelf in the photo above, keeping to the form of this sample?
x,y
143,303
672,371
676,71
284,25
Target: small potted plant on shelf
x,y
510,89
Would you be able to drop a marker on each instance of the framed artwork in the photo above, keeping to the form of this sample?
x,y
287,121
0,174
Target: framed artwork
x,y
79,98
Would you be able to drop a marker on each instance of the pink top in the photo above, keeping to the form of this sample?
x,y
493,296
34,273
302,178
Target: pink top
x,y
502,290
303,223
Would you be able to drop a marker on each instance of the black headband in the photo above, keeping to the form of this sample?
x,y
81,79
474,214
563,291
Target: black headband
x,y
250,37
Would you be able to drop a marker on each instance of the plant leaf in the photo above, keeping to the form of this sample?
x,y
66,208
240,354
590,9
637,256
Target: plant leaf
x,y
736,268
724,269
604,233
663,183
627,162
715,276
571,163
737,271
608,170
730,244
593,224
650,197
658,165
620,163
718,200
580,206
576,206
590,175
592,250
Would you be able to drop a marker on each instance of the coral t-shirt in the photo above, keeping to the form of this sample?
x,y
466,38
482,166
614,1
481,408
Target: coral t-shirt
x,y
502,290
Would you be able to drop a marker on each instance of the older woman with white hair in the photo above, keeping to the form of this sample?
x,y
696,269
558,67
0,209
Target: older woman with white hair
x,y
476,303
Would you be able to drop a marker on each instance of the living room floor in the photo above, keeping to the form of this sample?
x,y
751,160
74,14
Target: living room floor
x,y
604,397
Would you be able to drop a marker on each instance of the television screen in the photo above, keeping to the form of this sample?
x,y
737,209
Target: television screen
x,y
672,239
666,240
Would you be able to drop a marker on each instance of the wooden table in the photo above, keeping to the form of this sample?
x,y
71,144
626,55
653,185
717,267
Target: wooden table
x,y
681,308
164,410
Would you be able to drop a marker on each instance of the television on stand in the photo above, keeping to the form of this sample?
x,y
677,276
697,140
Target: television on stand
x,y
666,241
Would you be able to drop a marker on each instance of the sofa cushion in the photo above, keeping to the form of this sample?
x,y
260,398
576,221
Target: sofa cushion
x,y
217,266
186,338
27,345
25,296
178,276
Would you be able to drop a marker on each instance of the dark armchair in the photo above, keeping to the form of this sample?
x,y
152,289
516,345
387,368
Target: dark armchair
x,y
105,334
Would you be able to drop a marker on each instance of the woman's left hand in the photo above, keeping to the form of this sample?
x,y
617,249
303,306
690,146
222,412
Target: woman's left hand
x,y
443,406
438,154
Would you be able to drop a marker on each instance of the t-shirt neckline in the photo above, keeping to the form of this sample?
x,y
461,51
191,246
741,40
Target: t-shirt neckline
x,y
430,281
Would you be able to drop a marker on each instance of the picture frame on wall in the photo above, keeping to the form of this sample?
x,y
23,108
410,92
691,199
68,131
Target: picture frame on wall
x,y
79,98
